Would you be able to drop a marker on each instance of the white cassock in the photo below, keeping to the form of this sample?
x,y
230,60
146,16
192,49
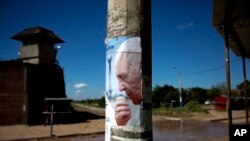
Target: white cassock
x,y
135,114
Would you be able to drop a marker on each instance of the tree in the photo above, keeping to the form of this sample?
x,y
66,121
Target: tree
x,y
197,94
156,98
172,95
212,93
159,93
221,86
241,87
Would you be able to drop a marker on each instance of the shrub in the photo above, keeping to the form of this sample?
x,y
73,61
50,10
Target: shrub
x,y
194,106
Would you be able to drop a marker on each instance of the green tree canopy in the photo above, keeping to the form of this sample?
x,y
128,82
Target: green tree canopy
x,y
213,92
159,93
197,94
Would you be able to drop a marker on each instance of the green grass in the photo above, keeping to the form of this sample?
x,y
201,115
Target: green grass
x,y
172,112
184,112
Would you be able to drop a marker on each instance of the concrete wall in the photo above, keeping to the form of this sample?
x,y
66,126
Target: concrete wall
x,y
38,54
12,93
23,88
43,81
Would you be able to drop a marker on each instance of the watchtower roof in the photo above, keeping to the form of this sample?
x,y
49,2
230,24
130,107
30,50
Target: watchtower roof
x,y
37,32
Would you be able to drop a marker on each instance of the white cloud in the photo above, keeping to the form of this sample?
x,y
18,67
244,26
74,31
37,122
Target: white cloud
x,y
185,26
80,85
78,91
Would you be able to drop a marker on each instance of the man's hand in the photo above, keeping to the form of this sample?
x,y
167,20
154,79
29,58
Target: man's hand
x,y
122,111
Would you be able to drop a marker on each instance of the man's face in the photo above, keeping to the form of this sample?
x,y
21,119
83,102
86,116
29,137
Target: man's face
x,y
128,72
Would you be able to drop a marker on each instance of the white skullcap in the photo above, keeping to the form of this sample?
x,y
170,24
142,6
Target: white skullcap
x,y
130,45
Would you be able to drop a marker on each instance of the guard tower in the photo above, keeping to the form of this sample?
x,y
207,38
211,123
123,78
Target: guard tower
x,y
38,45
25,84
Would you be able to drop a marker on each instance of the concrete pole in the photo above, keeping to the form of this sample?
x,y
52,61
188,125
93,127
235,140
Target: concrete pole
x,y
128,71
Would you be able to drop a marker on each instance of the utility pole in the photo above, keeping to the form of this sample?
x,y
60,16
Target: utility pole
x,y
179,83
180,99
128,71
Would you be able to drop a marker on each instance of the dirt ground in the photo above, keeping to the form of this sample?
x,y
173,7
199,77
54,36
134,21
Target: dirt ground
x,y
94,127
14,132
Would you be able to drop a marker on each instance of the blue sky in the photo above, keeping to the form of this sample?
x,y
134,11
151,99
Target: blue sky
x,y
182,36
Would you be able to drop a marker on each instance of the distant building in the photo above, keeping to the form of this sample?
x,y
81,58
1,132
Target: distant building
x,y
237,102
26,82
220,102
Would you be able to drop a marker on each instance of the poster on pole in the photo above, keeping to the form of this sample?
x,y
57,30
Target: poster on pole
x,y
123,90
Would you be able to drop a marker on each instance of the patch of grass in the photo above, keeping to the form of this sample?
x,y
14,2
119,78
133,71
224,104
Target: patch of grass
x,y
171,112
95,104
194,106
75,106
184,112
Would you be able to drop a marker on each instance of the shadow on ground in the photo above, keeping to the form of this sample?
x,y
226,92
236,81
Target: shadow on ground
x,y
73,116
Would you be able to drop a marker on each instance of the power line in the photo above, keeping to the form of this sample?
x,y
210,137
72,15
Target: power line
x,y
165,78
199,72
212,69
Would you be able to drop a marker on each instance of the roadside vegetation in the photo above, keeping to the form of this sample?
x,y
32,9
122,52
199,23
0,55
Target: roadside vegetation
x,y
98,103
168,96
185,112
165,99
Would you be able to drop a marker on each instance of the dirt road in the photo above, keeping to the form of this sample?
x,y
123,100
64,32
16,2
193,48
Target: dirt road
x,y
199,124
